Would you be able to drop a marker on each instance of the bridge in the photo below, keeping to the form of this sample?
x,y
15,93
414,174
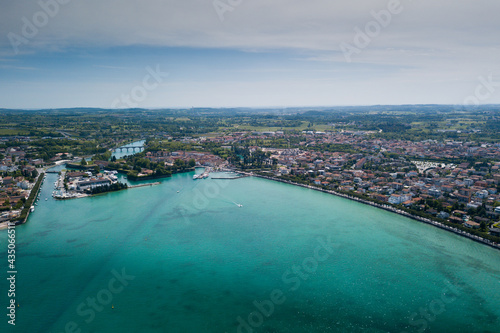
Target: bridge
x,y
130,147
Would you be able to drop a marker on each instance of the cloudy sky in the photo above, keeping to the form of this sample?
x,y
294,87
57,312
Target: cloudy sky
x,y
223,53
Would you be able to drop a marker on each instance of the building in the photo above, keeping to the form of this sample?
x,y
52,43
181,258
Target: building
x,y
495,231
92,183
455,219
397,199
472,224
23,185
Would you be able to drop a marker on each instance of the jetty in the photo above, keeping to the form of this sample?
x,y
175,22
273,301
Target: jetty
x,y
231,178
143,185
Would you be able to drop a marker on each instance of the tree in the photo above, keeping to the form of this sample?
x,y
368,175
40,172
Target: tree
x,y
83,162
192,163
19,205
179,163
482,226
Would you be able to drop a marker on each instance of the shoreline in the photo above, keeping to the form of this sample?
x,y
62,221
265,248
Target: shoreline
x,y
84,195
387,208
37,188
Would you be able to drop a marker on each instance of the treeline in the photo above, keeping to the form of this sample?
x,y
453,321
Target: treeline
x,y
48,148
31,199
134,165
108,188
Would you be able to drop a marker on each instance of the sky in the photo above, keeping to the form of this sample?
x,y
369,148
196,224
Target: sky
x,y
248,53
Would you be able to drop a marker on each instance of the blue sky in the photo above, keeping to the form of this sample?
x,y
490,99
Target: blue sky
x,y
247,53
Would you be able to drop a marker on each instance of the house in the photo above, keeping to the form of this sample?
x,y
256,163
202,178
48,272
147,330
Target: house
x,y
8,180
443,215
463,198
434,192
101,164
379,197
454,219
397,199
483,194
472,224
495,231
23,184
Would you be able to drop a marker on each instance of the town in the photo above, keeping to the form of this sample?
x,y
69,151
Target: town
x,y
452,179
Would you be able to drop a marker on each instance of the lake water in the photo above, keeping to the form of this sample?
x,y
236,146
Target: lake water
x,y
184,257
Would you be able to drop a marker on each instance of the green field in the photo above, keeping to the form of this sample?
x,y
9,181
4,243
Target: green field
x,y
12,132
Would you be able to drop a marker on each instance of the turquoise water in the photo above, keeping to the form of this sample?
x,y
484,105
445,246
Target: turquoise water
x,y
199,262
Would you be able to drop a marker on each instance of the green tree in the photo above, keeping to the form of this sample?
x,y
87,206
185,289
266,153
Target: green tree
x,y
192,163
482,226
83,162
179,163
19,205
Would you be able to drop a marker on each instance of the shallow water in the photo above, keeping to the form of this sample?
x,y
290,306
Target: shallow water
x,y
200,263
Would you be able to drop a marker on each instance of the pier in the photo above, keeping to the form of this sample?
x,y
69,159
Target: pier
x,y
237,177
144,185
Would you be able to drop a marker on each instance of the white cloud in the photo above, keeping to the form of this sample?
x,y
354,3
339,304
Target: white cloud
x,y
316,24
427,49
